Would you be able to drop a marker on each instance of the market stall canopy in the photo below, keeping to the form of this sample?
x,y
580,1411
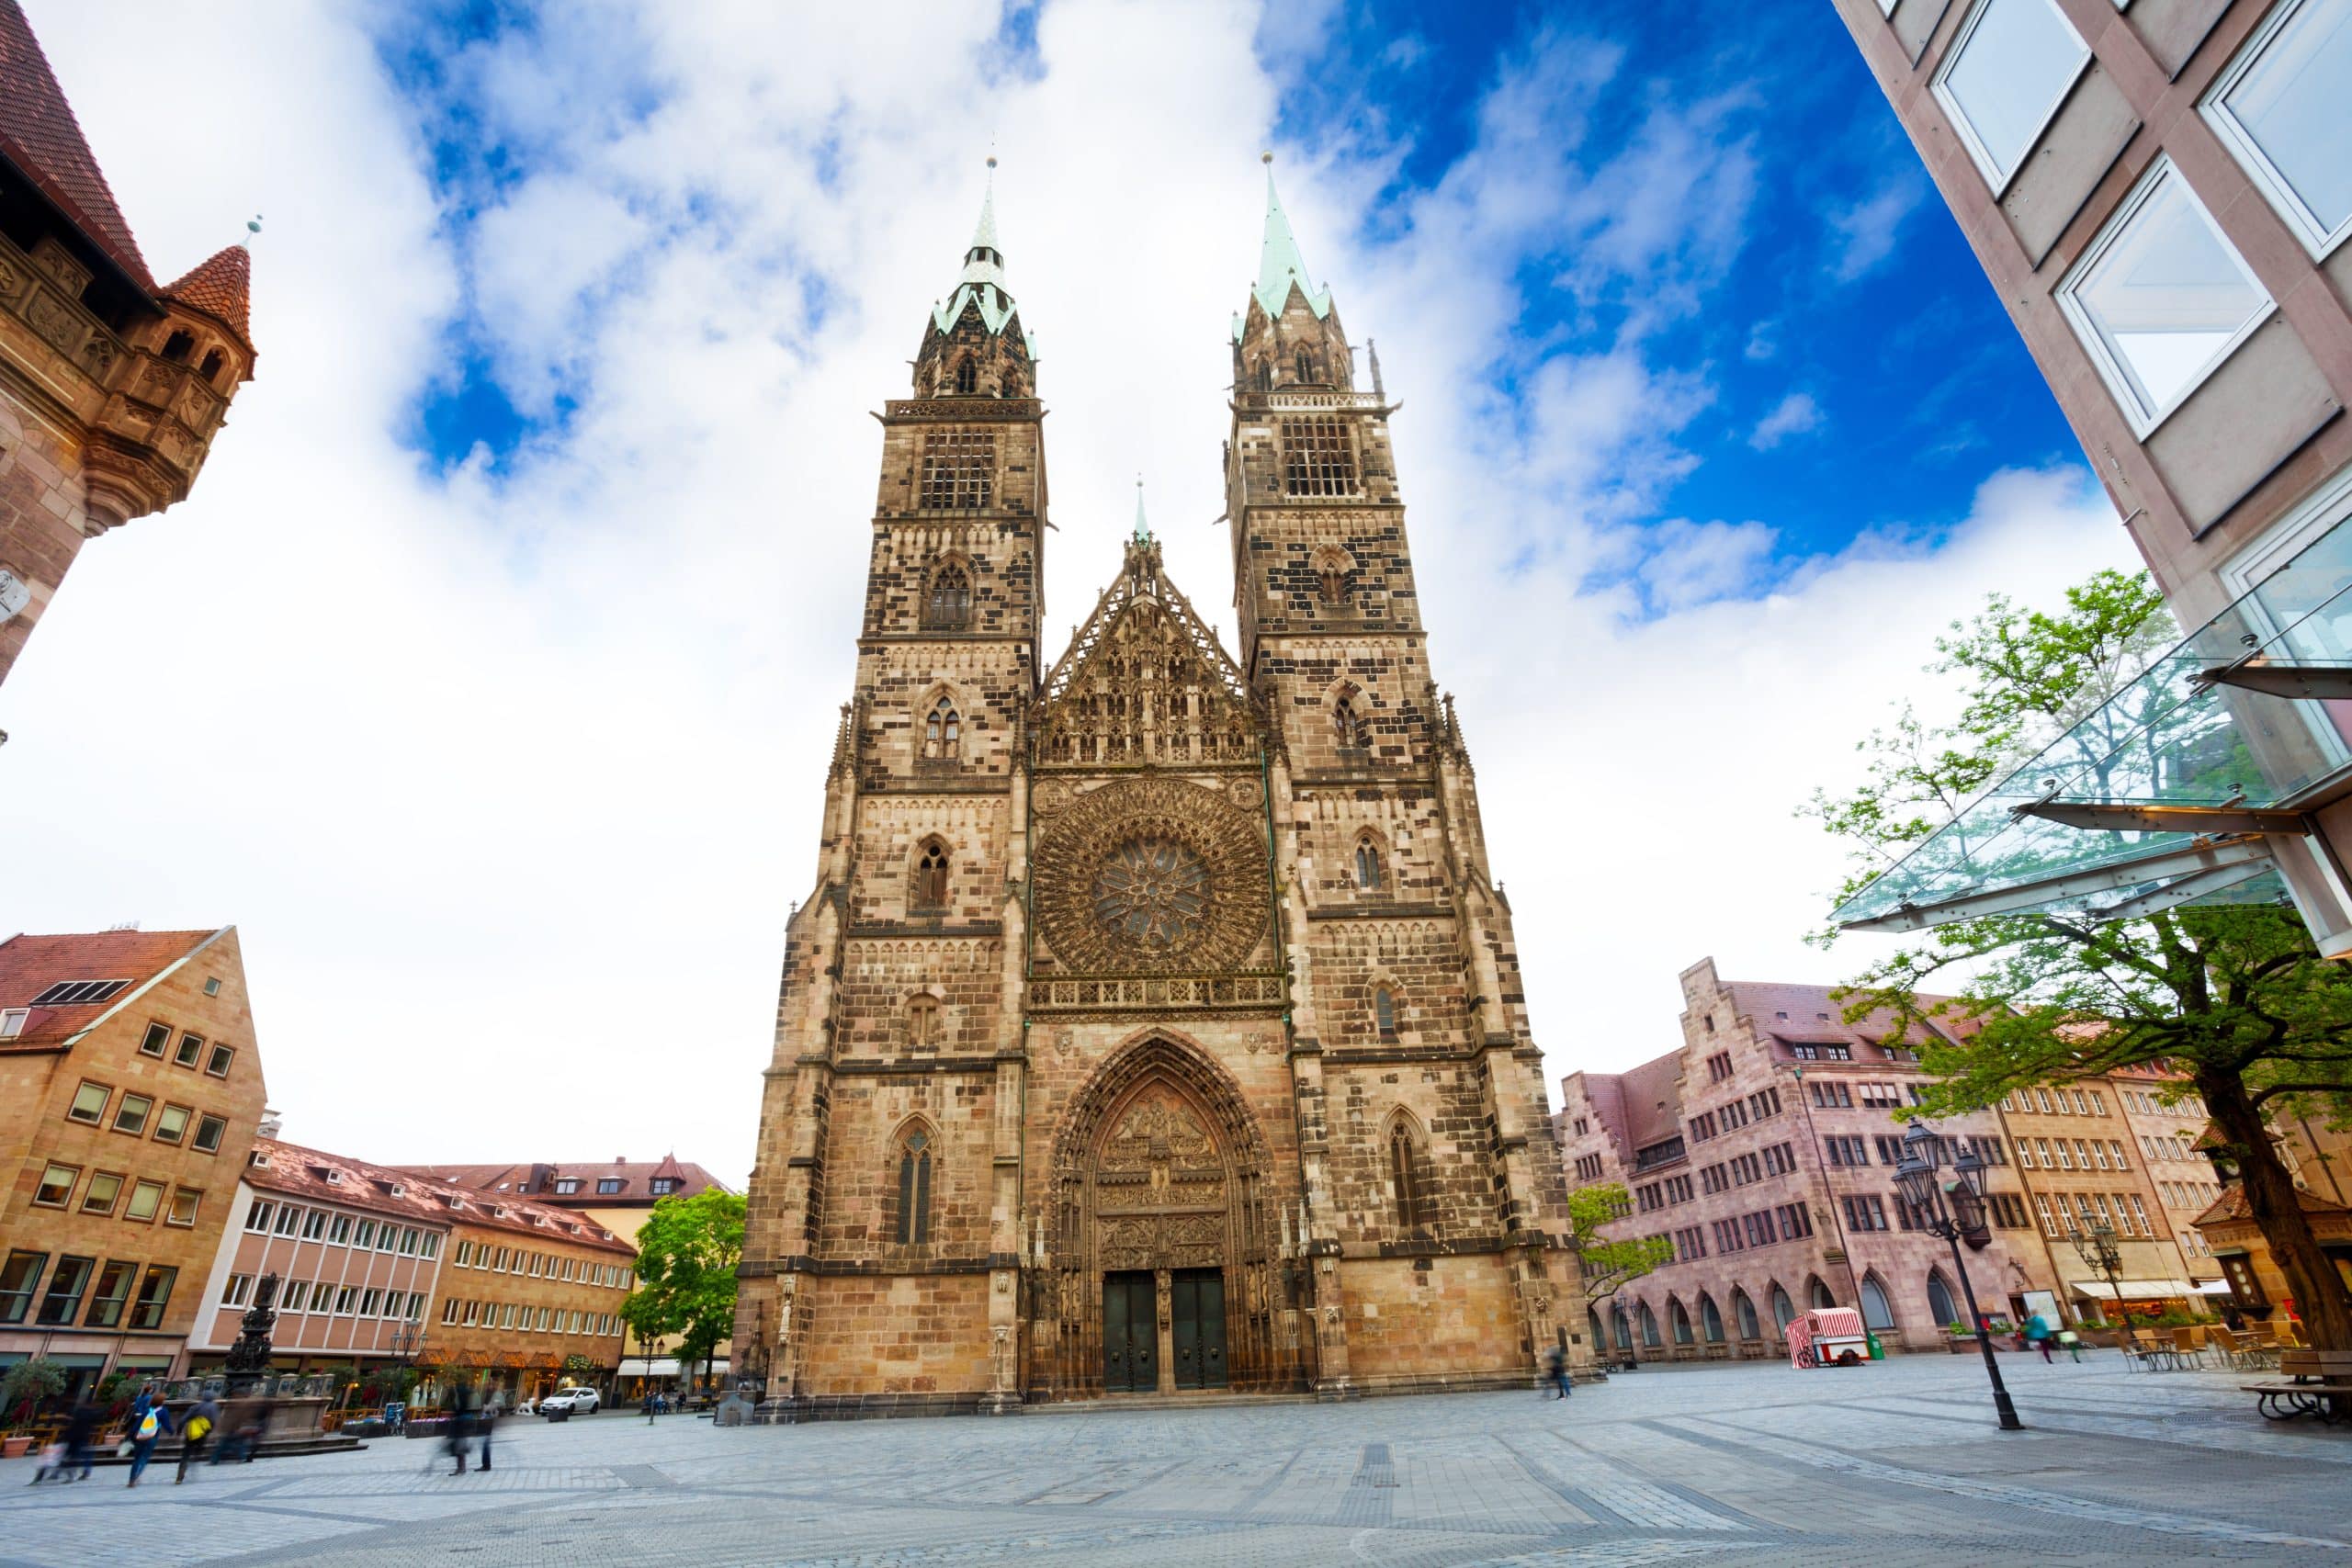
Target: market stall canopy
x,y
2134,1290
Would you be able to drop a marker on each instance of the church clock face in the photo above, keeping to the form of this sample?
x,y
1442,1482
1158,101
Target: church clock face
x,y
1152,875
1152,893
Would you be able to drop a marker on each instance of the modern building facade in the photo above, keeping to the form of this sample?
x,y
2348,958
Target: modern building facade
x,y
130,1093
2156,189
356,1249
113,388
1764,1147
1154,1021
525,1289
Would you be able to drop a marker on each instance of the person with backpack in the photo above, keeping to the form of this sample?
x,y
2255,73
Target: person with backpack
x,y
195,1427
151,1423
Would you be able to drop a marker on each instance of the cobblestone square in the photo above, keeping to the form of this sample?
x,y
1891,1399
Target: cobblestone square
x,y
1894,1465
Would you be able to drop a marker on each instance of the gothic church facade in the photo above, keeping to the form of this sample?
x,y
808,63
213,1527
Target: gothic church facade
x,y
1155,1023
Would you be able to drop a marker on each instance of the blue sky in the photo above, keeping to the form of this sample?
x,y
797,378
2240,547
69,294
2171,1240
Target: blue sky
x,y
531,563
1846,339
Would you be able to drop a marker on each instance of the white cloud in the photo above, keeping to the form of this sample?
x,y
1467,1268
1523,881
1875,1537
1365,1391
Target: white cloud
x,y
510,780
1864,232
1796,415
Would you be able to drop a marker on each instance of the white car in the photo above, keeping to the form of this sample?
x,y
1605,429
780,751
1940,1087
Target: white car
x,y
571,1401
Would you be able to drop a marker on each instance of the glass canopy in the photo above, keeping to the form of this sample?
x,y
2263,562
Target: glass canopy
x,y
2164,793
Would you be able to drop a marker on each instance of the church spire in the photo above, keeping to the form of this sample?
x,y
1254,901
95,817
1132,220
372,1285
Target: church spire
x,y
1143,529
1280,264
983,279
974,343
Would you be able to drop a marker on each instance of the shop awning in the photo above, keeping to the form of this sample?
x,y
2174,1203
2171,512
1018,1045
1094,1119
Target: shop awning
x,y
2133,1290
638,1367
2214,1288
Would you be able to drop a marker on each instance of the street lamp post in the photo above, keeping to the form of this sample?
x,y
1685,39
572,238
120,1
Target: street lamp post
x,y
2098,1250
1915,1178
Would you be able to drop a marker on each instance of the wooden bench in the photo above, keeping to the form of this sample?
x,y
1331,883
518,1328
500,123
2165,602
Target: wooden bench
x,y
2311,1382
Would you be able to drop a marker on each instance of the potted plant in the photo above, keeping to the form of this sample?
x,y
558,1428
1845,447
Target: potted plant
x,y
22,1389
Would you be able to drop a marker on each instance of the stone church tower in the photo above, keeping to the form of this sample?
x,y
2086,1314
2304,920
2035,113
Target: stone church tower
x,y
1154,1023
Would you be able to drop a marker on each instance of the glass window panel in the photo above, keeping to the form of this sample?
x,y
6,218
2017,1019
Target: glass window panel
x,y
104,1188
130,1116
2165,296
17,1276
171,1123
2288,102
2005,79
89,1104
209,1132
56,1185
113,1291
153,1295
185,1204
145,1198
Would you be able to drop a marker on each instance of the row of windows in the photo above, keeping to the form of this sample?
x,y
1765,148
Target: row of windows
x,y
2186,1105
2187,1194
136,1115
71,1282
958,470
2161,297
2165,1148
217,1059
2055,1102
2092,1209
1719,1067
341,1230
324,1298
530,1319
538,1265
2051,1153
1784,1222
1761,1106
1588,1167
107,1190
662,1186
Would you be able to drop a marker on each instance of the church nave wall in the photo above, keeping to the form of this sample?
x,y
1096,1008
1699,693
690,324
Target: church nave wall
x,y
911,1334
878,1121
892,833
916,996
1449,1185
1416,1318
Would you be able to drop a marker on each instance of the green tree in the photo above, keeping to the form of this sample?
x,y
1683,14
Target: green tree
x,y
1608,1266
2233,996
686,1254
23,1386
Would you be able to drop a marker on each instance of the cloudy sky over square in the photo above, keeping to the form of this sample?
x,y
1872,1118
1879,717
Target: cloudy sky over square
x,y
487,680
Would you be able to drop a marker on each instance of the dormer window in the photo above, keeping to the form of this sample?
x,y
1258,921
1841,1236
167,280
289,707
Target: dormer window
x,y
257,1159
664,1184
12,1021
568,1184
334,1178
609,1184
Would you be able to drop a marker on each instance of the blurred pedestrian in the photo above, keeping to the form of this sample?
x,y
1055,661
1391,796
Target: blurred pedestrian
x,y
81,1426
149,1427
195,1429
1555,1366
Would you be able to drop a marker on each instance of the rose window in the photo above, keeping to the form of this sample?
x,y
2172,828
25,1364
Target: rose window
x,y
1153,893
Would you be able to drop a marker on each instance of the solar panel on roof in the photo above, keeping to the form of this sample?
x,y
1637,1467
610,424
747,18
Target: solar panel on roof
x,y
70,992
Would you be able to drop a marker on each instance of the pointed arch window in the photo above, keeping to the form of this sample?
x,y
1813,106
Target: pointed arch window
x,y
968,376
1353,733
1680,1320
1384,1011
1622,1329
1818,1293
1710,1320
1743,1314
942,732
948,605
914,1188
930,876
1649,1325
1265,378
1368,869
1876,1312
1303,365
923,1021
1400,1173
1784,1311
179,345
1940,1306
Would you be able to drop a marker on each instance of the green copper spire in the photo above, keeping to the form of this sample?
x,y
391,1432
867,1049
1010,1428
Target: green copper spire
x,y
983,278
1280,264
1143,529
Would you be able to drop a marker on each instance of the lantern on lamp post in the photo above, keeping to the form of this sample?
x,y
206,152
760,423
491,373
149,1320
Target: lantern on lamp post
x,y
2098,1250
1952,1210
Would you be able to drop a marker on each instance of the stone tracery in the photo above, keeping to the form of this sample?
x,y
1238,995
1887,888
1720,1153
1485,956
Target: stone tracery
x,y
1152,875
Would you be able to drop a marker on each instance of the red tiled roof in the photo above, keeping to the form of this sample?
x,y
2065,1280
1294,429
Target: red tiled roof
x,y
39,135
294,1171
220,286
2232,1206
31,964
539,1180
481,1208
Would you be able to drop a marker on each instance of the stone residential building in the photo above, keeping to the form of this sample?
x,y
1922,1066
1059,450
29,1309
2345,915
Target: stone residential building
x,y
1154,1021
2166,1118
1764,1147
113,388
356,1247
617,1194
131,1091
524,1287
2078,1154
2155,191
2320,1157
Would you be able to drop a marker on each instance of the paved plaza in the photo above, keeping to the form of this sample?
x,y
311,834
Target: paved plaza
x,y
1888,1465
